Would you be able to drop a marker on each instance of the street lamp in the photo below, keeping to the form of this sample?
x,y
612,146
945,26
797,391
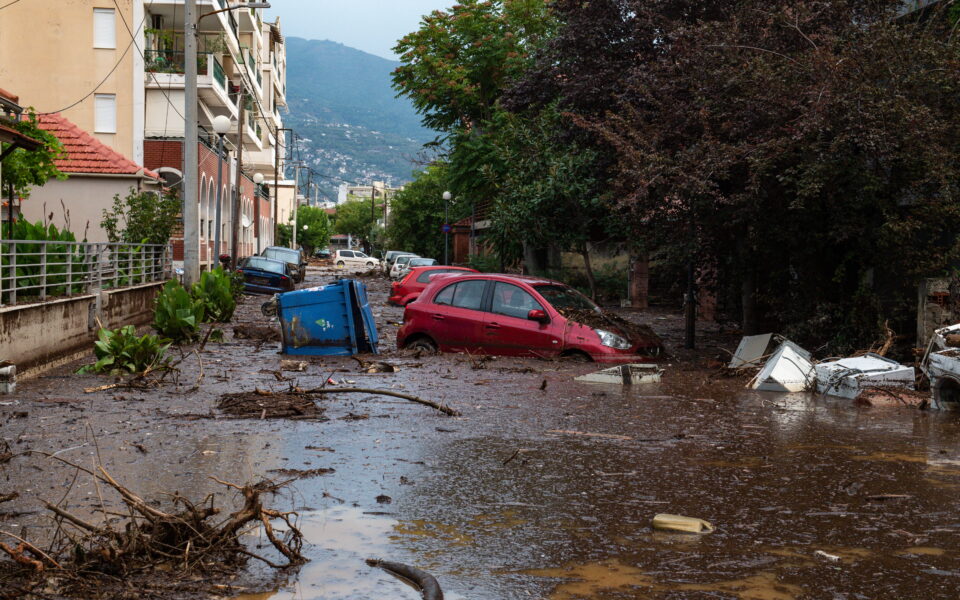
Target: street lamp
x,y
191,188
221,125
446,227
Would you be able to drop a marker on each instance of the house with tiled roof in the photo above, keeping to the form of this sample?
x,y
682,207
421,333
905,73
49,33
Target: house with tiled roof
x,y
95,173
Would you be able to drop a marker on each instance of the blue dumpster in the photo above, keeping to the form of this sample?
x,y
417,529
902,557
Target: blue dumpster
x,y
330,320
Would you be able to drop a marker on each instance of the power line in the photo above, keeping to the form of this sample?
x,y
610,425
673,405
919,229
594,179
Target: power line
x,y
9,4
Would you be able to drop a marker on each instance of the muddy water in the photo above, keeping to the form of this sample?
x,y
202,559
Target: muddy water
x,y
540,493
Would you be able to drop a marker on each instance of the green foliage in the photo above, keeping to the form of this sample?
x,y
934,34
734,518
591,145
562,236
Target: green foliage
x,y
417,213
142,217
60,258
177,315
285,235
215,292
485,263
454,67
121,352
236,285
317,234
25,169
354,218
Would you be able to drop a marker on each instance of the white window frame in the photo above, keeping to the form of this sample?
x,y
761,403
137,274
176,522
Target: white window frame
x,y
105,28
102,121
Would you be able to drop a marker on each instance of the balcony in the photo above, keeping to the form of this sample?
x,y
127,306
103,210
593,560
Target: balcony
x,y
165,70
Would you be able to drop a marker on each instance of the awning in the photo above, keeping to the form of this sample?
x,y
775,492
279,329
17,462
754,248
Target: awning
x,y
8,135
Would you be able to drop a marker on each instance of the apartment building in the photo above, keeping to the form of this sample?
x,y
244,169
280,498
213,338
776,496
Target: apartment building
x,y
116,70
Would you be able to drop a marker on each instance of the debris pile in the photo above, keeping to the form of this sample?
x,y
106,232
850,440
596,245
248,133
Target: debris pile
x,y
635,332
183,540
262,404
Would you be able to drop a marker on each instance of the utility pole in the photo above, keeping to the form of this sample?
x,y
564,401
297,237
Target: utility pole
x,y
191,207
235,225
276,182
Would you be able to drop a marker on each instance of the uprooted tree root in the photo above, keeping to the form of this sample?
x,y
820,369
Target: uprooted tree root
x,y
83,554
295,403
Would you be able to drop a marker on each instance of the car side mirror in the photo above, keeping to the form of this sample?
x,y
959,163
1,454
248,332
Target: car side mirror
x,y
538,315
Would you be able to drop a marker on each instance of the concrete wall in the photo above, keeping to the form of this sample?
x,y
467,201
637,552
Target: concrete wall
x,y
47,58
35,336
84,197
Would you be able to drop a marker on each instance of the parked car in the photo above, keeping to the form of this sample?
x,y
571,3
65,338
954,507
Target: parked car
x,y
391,257
354,259
399,263
294,258
408,289
416,261
519,316
322,253
265,275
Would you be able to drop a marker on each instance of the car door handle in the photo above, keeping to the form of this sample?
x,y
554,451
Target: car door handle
x,y
438,317
493,326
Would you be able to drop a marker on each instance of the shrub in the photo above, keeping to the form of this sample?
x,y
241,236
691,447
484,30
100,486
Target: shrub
x,y
177,315
215,292
120,351
60,258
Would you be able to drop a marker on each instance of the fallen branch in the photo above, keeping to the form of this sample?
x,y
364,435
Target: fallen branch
x,y
609,436
425,582
441,407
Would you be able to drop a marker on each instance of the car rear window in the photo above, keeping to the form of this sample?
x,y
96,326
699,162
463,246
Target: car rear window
x,y
346,253
466,294
561,297
426,275
284,255
265,264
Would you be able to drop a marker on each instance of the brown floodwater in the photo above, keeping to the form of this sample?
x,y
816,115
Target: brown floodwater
x,y
532,493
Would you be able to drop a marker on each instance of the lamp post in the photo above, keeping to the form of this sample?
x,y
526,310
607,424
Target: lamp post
x,y
446,227
191,190
257,180
221,125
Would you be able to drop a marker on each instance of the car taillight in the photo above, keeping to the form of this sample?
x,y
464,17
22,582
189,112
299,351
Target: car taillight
x,y
239,270
283,278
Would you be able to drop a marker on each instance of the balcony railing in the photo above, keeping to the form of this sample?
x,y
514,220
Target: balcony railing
x,y
33,271
218,74
172,61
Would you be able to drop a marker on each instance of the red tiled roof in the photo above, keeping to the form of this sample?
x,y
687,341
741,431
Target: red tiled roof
x,y
9,96
87,154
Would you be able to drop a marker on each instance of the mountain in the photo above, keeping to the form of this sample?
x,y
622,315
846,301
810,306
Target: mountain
x,y
352,127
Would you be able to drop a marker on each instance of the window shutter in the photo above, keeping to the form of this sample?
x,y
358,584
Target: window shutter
x,y
105,113
104,28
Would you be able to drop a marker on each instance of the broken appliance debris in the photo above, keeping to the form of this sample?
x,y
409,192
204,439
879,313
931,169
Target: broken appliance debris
x,y
847,377
792,369
789,369
630,374
943,367
751,352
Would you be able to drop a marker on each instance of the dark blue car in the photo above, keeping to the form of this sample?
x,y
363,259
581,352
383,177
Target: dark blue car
x,y
265,275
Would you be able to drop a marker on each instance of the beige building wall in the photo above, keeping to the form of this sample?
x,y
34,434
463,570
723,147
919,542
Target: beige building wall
x,y
86,198
47,55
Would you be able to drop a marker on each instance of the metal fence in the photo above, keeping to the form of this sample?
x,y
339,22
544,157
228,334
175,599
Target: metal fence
x,y
32,271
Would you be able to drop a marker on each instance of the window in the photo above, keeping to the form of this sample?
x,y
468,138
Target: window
x,y
512,301
104,28
105,113
346,253
426,275
466,294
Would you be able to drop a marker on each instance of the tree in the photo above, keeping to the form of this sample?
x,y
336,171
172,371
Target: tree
x,y
317,232
418,210
142,217
804,151
23,169
354,218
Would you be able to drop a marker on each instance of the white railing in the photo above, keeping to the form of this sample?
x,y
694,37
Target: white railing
x,y
33,271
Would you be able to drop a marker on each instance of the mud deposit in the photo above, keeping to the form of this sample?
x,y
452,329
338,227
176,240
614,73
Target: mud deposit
x,y
543,488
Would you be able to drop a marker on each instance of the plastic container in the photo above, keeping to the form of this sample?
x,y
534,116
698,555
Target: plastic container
x,y
330,320
667,522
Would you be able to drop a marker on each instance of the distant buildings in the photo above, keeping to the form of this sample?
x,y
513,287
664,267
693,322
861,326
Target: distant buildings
x,y
115,70
380,191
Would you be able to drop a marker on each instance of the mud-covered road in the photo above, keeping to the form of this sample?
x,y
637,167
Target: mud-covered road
x,y
543,488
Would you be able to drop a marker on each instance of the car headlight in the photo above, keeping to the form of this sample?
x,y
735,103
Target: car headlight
x,y
612,340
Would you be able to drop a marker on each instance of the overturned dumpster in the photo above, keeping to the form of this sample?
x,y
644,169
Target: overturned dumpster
x,y
330,320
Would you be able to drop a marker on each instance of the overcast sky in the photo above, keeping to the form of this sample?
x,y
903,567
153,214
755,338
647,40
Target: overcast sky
x,y
373,26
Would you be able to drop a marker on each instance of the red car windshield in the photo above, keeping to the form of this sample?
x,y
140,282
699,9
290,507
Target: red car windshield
x,y
563,297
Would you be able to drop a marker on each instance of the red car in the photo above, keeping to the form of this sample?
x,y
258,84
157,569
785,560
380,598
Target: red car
x,y
407,290
519,316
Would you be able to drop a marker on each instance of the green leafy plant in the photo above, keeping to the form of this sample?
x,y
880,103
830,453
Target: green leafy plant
x,y
215,292
141,218
121,351
177,315
59,259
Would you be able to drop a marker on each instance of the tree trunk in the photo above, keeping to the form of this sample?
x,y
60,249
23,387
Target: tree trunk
x,y
748,302
640,280
585,253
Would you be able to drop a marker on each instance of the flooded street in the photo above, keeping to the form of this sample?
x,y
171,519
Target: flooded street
x,y
543,488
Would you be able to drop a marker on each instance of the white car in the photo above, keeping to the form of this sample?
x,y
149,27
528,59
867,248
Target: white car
x,y
354,259
399,264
